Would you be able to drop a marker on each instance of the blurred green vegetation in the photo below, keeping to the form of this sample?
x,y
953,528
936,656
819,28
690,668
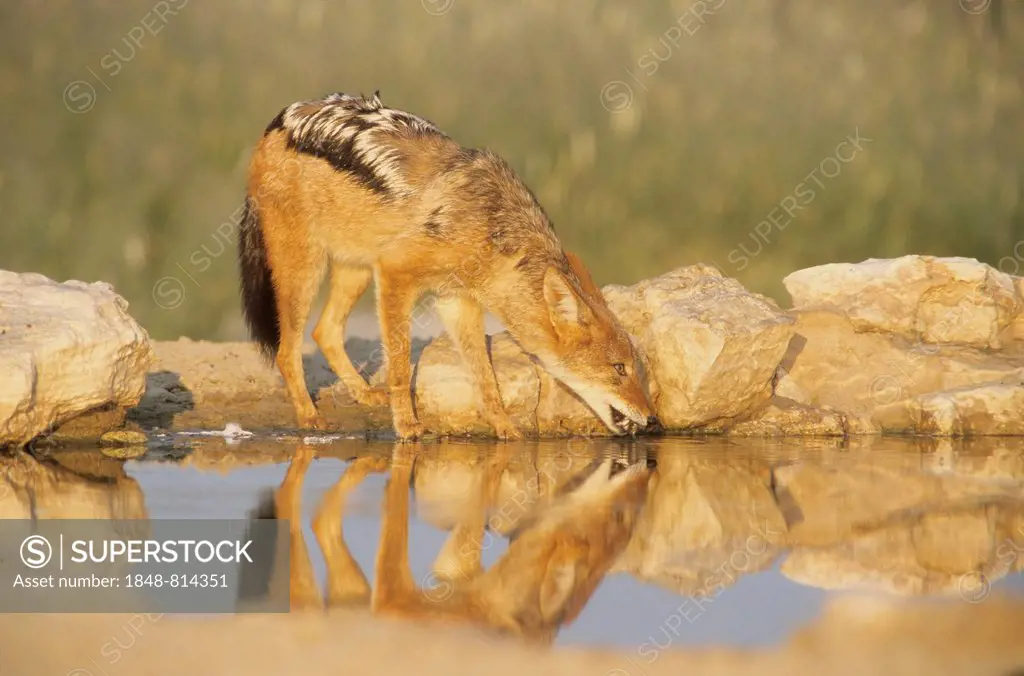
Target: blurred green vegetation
x,y
730,112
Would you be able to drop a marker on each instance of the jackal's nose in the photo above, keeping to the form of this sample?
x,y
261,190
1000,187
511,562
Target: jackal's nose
x,y
653,424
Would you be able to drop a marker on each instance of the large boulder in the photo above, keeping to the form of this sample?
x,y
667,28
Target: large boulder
x,y
865,374
992,408
933,300
65,349
713,346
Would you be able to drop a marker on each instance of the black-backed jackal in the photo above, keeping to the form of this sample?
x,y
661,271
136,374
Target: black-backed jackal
x,y
378,193
557,559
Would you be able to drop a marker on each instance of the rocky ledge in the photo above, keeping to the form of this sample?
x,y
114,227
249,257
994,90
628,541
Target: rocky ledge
x,y
917,344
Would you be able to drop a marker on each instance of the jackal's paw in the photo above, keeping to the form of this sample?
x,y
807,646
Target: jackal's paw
x,y
311,421
409,430
372,396
504,429
368,464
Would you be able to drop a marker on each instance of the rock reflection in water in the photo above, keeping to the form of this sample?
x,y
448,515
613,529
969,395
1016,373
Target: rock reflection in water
x,y
68,485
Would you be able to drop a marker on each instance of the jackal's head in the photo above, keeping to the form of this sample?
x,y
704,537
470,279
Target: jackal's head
x,y
603,502
560,554
593,354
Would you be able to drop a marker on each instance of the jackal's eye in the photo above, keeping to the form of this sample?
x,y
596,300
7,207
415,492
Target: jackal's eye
x,y
620,369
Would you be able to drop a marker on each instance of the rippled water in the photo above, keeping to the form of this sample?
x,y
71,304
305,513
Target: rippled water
x,y
740,542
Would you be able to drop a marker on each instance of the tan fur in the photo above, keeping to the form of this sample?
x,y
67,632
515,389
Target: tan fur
x,y
541,583
587,284
454,222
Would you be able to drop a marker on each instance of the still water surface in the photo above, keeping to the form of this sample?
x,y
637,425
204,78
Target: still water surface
x,y
740,542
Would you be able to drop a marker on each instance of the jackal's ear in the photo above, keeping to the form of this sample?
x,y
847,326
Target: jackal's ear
x,y
586,281
557,588
564,306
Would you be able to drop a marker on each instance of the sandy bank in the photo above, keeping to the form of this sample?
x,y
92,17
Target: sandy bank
x,y
854,637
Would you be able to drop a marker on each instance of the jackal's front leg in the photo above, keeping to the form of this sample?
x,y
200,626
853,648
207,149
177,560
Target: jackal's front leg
x,y
395,297
460,557
463,319
346,583
394,587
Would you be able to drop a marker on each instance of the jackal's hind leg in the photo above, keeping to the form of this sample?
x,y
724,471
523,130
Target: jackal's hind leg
x,y
304,591
463,319
296,270
347,285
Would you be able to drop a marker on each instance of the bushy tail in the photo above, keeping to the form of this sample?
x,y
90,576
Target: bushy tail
x,y
259,304
255,579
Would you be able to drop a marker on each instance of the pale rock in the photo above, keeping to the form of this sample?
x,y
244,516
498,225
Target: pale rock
x,y
65,349
712,346
783,417
934,300
123,438
832,364
989,409
1015,331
